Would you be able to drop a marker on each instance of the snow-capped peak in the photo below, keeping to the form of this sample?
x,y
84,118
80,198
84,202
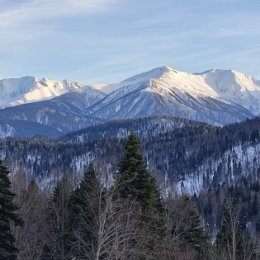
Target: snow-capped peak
x,y
16,91
215,96
164,80
151,74
229,85
139,79
236,86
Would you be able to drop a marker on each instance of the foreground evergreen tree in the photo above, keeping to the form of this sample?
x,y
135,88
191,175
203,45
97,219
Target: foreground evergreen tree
x,y
185,237
193,233
8,217
85,206
134,180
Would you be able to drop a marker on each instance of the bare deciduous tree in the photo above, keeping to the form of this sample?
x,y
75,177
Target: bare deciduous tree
x,y
57,223
31,237
115,228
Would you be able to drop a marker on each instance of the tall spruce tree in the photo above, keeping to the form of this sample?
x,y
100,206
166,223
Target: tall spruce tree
x,y
185,237
192,231
84,209
134,180
8,217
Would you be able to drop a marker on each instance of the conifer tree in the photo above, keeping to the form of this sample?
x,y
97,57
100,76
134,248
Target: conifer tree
x,y
184,226
8,217
193,233
134,180
84,209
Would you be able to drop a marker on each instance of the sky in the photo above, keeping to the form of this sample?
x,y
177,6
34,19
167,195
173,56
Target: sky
x,y
106,41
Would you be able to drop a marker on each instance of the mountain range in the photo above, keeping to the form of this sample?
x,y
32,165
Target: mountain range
x,y
199,134
32,107
183,120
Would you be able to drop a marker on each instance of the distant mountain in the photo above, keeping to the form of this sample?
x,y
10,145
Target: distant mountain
x,y
216,96
16,91
235,86
52,118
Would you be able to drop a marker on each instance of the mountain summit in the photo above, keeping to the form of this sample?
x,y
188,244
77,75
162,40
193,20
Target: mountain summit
x,y
17,91
225,84
216,96
236,86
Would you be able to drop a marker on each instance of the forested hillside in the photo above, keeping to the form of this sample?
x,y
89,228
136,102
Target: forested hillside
x,y
128,220
190,158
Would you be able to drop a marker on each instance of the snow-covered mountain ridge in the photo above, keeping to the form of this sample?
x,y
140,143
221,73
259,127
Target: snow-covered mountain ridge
x,y
235,86
216,96
223,84
216,83
17,91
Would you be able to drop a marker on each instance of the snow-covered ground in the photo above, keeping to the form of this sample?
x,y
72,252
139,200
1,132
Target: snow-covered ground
x,y
246,158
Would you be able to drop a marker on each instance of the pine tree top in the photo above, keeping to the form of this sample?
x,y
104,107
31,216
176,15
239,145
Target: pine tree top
x,y
133,178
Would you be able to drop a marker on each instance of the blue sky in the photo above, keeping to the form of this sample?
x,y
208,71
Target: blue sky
x,y
105,41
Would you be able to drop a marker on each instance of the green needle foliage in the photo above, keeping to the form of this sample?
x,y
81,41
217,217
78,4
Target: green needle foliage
x,y
134,180
8,217
84,211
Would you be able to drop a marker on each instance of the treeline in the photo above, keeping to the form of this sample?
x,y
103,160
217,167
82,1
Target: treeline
x,y
128,220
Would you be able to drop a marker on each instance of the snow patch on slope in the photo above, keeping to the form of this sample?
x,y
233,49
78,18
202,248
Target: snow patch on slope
x,y
241,158
6,131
